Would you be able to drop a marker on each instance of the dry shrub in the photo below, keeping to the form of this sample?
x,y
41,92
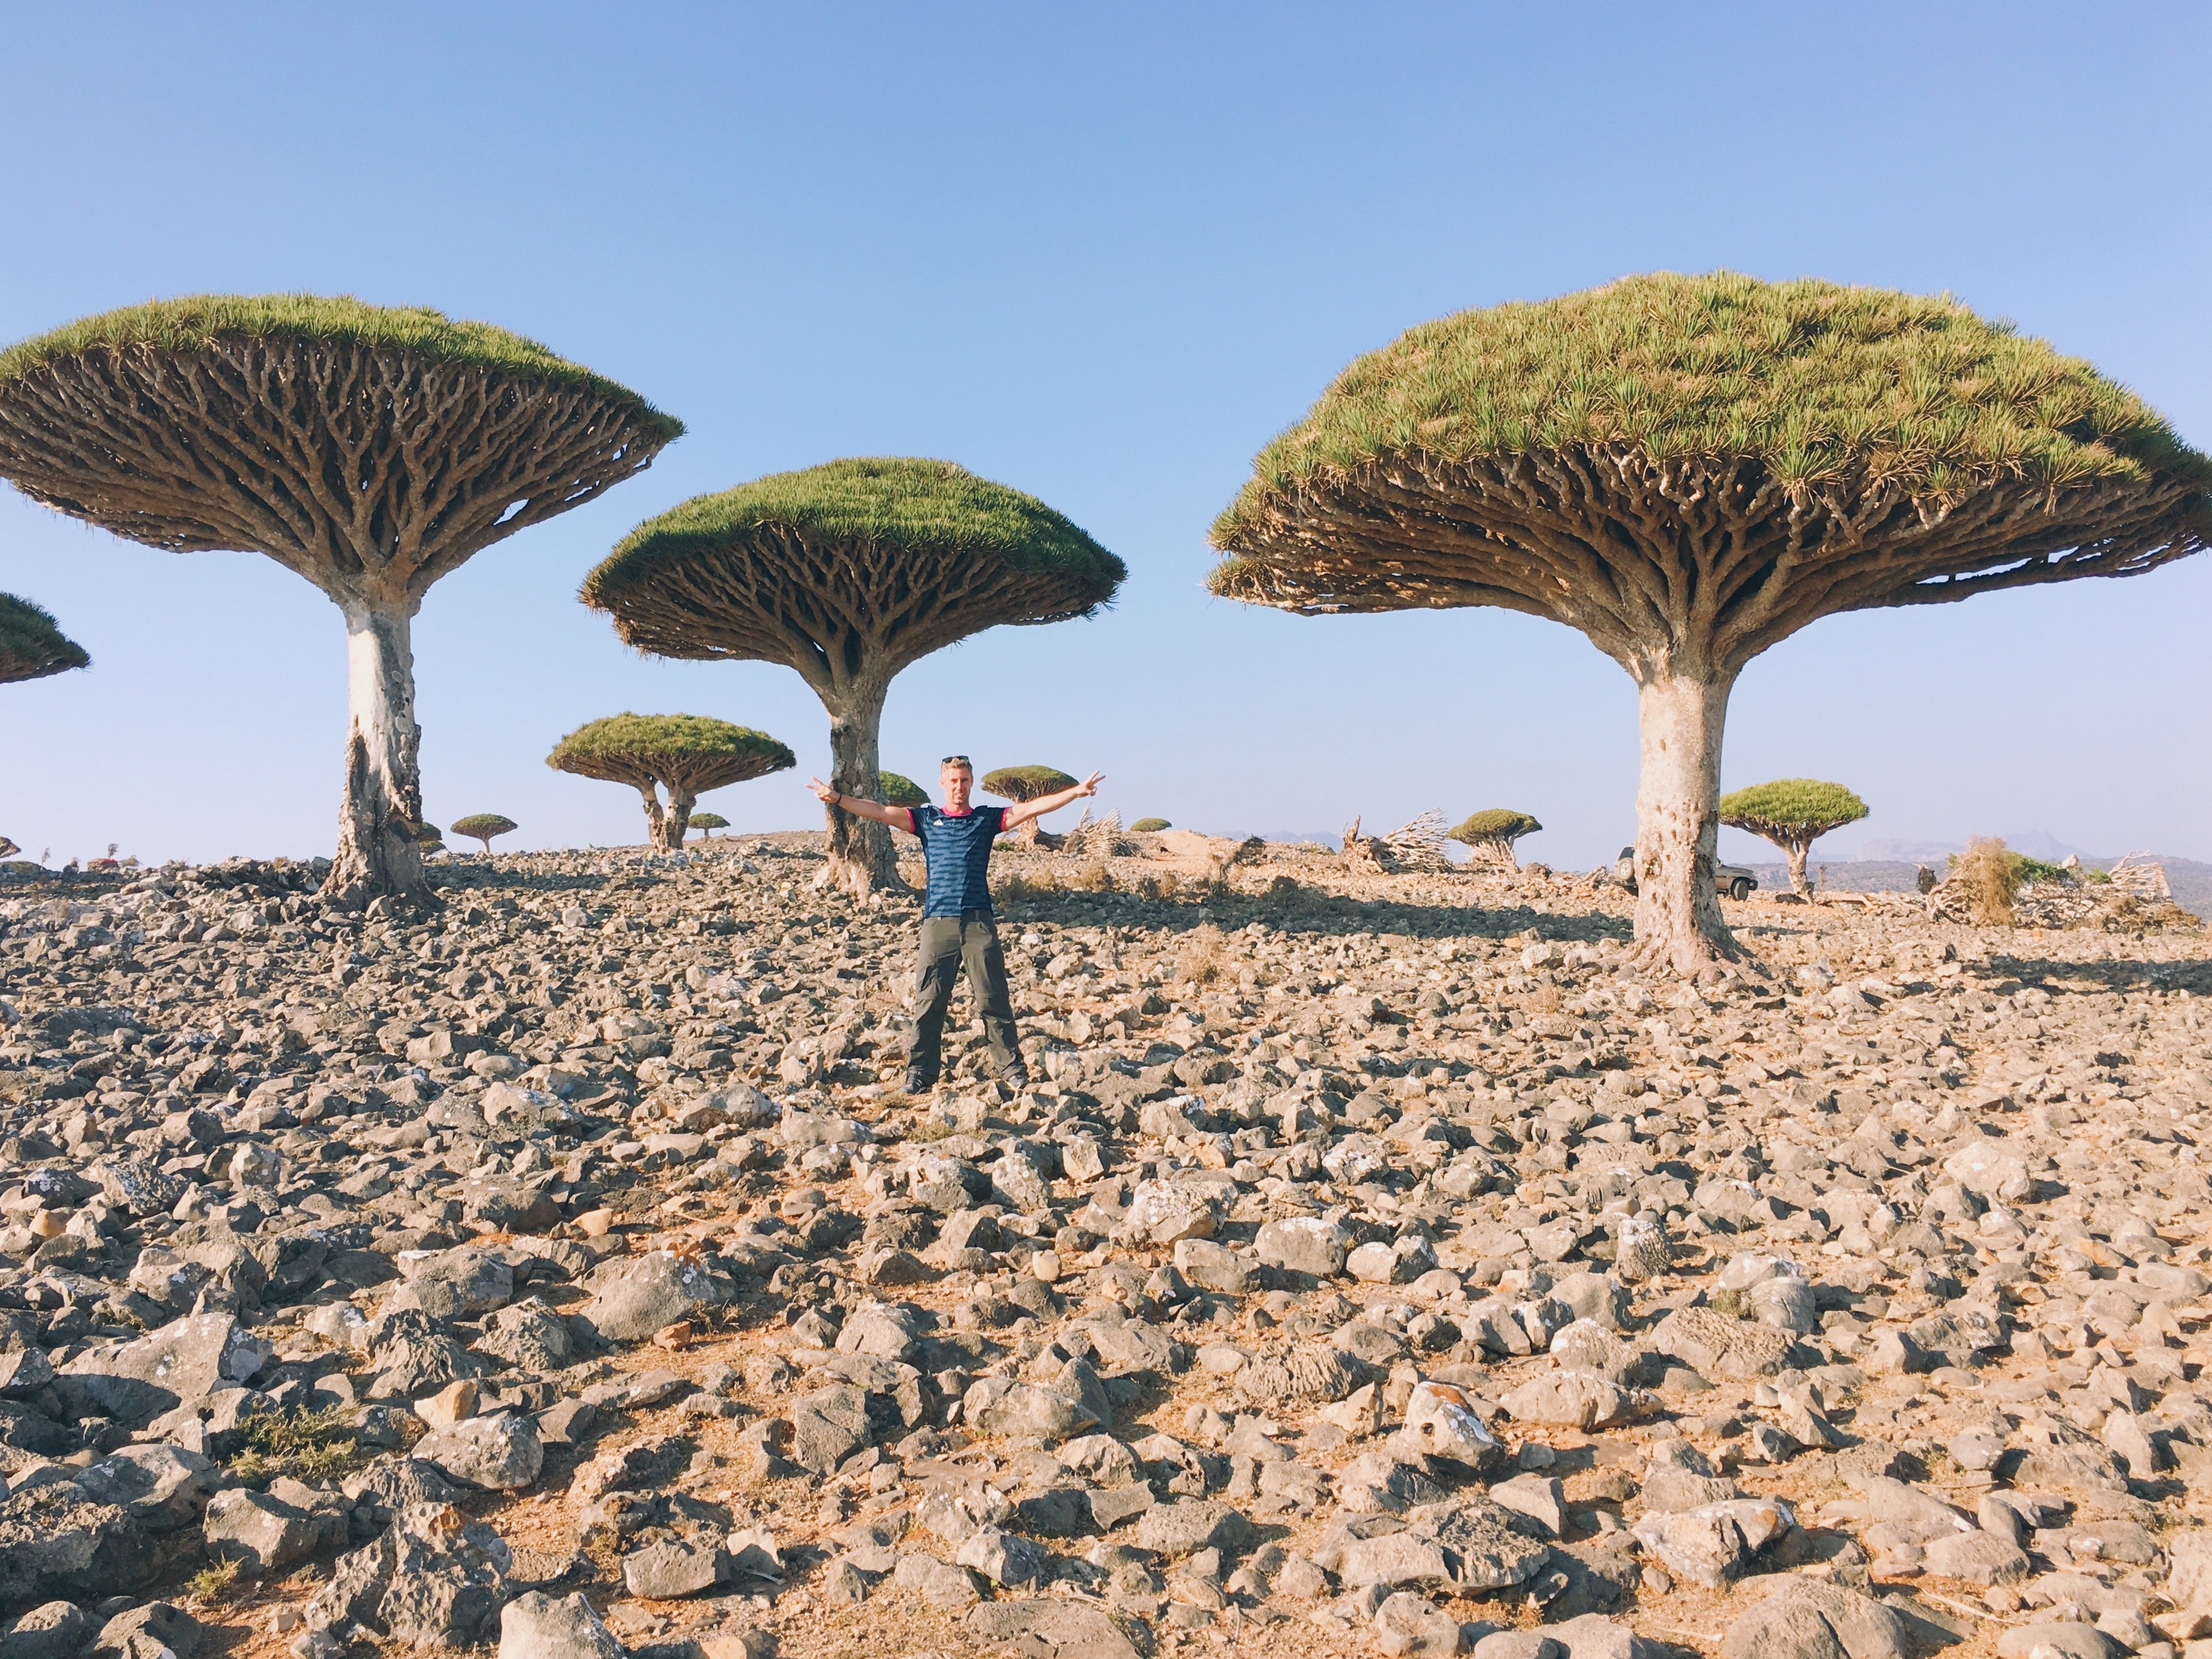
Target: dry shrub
x,y
1095,879
1546,999
1199,962
1991,877
1163,886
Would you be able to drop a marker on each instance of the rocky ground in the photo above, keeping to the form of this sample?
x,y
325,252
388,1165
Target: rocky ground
x,y
1376,1266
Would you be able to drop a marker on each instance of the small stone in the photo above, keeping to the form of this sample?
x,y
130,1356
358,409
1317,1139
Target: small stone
x,y
450,1405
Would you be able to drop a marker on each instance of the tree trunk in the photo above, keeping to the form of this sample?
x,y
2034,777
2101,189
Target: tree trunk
x,y
378,855
861,859
679,820
656,820
1794,851
1677,917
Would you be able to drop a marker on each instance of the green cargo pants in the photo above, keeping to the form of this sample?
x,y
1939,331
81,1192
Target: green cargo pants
x,y
949,945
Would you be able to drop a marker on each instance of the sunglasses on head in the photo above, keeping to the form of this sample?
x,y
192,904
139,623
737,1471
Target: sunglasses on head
x,y
955,760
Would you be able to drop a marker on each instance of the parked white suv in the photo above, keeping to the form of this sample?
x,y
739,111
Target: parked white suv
x,y
1731,880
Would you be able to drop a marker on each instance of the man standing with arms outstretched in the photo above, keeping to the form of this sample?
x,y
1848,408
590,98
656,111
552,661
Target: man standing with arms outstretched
x,y
958,928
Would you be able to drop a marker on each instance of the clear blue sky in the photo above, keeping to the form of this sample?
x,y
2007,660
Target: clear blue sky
x,y
1102,253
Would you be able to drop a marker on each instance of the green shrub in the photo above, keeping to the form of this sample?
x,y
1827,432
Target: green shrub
x,y
1150,826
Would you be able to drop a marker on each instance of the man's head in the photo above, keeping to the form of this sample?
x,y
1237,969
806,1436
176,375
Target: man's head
x,y
957,778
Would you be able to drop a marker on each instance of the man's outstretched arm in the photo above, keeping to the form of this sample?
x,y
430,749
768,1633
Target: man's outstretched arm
x,y
861,807
1025,811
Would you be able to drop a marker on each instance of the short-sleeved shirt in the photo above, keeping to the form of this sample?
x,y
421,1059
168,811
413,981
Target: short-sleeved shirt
x,y
957,851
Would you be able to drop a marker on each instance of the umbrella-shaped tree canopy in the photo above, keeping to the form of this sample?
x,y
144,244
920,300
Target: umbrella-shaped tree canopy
x,y
1491,833
1021,783
896,789
1689,469
31,646
1793,813
846,573
371,449
709,822
687,755
484,827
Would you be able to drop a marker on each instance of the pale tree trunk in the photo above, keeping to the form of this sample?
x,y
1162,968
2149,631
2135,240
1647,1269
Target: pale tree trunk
x,y
656,819
1677,917
861,859
1794,851
679,821
378,855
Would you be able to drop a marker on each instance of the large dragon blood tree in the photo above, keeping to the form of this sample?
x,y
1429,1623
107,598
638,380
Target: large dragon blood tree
x,y
369,449
1691,468
31,646
1793,813
683,755
846,574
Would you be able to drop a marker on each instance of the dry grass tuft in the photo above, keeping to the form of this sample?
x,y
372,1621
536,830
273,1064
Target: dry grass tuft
x,y
1096,878
1200,961
210,1584
1991,876
1163,886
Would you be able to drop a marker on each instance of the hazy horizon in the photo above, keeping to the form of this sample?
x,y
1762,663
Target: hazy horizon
x,y
1102,255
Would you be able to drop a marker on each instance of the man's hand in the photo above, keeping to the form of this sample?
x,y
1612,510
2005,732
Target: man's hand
x,y
822,792
860,806
1052,802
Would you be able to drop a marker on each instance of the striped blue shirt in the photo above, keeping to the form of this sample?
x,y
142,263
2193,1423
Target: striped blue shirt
x,y
957,851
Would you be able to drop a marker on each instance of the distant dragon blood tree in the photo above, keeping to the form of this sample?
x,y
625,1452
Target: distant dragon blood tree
x,y
846,574
684,755
1026,783
31,646
709,822
484,827
1691,468
896,789
369,449
1147,826
1793,813
1490,834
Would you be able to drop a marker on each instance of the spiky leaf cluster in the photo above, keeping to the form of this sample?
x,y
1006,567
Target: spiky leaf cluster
x,y
31,646
1024,783
1497,825
689,753
1791,810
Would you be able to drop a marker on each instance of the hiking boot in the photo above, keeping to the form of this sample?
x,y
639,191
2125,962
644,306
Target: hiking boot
x,y
920,1080
1016,1077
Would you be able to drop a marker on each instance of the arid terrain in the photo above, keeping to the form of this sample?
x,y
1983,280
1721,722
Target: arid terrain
x,y
1376,1265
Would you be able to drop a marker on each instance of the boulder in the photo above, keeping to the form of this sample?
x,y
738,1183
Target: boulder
x,y
433,1579
137,1381
1305,1245
634,1297
535,1625
500,1453
53,1630
1804,1618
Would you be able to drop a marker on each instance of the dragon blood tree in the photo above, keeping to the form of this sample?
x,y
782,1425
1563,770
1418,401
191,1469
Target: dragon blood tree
x,y
707,822
1691,468
1026,783
685,755
1793,813
369,449
846,573
1490,834
31,646
484,827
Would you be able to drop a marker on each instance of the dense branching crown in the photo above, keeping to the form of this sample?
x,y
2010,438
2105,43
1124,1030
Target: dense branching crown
x,y
1147,826
1021,783
31,646
896,789
483,826
371,449
1498,823
849,571
1705,464
1791,809
690,753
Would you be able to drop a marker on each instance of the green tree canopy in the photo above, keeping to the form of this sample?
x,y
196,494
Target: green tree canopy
x,y
1021,783
686,754
1149,826
1690,469
893,789
370,449
1793,813
484,827
31,646
846,573
1498,823
710,821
